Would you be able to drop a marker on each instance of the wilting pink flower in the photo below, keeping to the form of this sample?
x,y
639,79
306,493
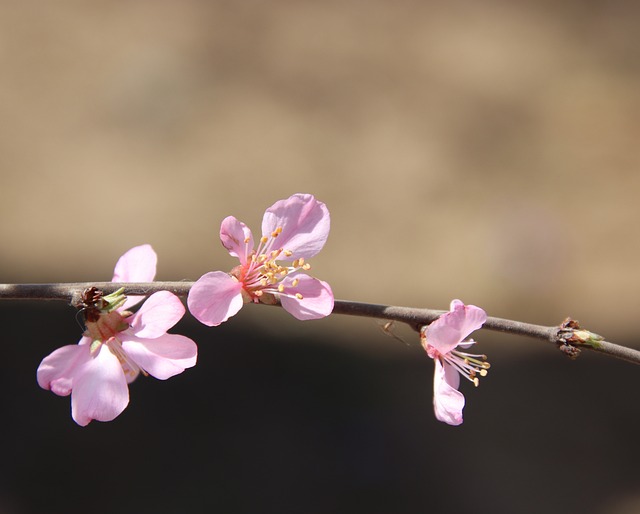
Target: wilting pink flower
x,y
440,340
294,230
118,345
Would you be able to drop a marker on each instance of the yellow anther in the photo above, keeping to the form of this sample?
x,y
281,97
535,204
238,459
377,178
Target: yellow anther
x,y
295,263
483,372
475,381
281,288
300,261
295,282
299,296
283,272
306,267
246,241
258,293
263,282
288,253
264,239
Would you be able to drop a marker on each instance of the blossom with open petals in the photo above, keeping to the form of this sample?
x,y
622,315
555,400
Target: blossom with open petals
x,y
293,230
118,345
441,340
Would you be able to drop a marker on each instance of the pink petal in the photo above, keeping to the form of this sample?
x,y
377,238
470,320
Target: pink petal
x,y
450,329
159,313
100,389
57,370
233,234
305,224
164,356
317,297
448,402
214,298
136,265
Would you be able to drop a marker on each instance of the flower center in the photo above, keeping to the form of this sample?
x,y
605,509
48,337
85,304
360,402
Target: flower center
x,y
469,365
263,274
108,325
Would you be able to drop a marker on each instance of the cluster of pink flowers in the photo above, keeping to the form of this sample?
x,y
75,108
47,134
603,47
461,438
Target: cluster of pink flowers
x,y
119,345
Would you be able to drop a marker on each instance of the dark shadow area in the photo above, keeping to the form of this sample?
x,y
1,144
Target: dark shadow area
x,y
281,426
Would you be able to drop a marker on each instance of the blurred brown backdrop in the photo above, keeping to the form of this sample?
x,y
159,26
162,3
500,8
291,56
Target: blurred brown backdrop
x,y
481,150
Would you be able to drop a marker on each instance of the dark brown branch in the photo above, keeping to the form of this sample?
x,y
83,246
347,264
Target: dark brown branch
x,y
566,336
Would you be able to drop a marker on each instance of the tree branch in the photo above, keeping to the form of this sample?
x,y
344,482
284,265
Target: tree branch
x,y
569,336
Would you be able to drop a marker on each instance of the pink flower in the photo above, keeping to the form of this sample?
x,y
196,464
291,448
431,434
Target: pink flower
x,y
440,340
294,230
118,345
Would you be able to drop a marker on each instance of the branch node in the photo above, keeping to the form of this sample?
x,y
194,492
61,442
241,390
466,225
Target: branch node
x,y
569,350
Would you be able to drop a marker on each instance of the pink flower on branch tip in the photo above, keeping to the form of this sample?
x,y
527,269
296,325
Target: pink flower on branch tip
x,y
441,339
293,230
118,345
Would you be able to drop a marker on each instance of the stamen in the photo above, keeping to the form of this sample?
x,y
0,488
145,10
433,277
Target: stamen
x,y
246,241
264,239
281,288
299,296
295,282
288,253
306,267
468,365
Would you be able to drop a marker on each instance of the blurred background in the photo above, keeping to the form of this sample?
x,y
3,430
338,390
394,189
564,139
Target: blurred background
x,y
486,151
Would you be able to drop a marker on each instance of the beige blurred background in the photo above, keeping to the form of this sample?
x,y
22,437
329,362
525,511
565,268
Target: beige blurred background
x,y
486,151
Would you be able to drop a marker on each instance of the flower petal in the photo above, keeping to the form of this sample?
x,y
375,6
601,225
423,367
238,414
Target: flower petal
x,y
162,357
236,237
450,329
214,298
159,313
448,402
305,224
317,297
100,389
136,265
57,370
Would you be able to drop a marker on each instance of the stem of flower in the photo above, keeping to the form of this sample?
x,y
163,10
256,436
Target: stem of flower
x,y
564,336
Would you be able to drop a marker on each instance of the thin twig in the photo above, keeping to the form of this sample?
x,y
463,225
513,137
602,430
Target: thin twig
x,y
568,336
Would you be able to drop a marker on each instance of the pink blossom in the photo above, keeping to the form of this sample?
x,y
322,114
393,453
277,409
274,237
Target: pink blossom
x,y
440,340
118,345
294,230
